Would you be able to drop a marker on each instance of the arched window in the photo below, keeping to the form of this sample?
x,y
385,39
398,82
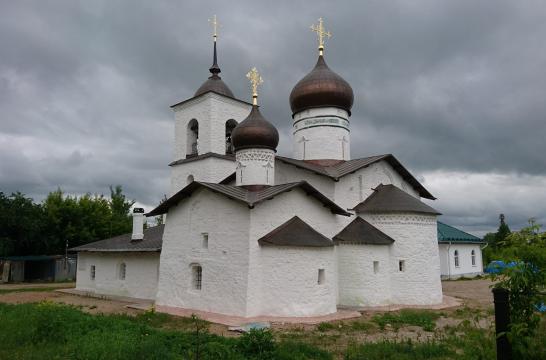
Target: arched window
x,y
122,271
456,258
192,142
230,125
473,257
197,276
190,179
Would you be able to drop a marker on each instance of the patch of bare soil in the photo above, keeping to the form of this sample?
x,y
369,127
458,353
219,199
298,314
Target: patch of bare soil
x,y
475,293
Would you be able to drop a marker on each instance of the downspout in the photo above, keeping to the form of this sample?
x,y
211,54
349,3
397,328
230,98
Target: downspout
x,y
448,262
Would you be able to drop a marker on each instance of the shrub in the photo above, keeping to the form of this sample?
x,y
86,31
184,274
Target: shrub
x,y
325,326
257,344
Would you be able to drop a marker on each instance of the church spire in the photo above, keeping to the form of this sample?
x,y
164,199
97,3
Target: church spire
x,y
214,69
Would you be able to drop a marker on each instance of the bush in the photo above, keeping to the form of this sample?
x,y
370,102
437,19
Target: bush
x,y
257,344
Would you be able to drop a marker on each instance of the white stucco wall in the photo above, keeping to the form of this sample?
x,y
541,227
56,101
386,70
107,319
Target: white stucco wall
x,y
465,268
255,167
358,284
224,262
207,170
212,111
416,244
321,133
283,280
286,173
354,188
141,274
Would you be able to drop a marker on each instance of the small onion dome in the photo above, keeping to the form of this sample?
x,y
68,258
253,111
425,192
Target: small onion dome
x,y
255,132
321,88
214,82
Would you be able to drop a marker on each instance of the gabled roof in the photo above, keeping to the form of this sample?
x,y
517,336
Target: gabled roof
x,y
251,198
152,241
206,92
203,156
359,231
295,232
389,198
342,168
447,234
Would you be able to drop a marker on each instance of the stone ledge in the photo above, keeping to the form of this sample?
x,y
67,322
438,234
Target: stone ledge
x,y
231,320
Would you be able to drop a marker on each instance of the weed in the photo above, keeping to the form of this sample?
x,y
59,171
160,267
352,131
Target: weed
x,y
422,318
325,326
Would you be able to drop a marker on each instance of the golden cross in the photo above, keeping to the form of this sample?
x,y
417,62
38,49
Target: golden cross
x,y
319,29
255,80
215,25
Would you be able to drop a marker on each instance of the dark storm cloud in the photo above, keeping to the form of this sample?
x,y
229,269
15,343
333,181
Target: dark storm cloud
x,y
450,87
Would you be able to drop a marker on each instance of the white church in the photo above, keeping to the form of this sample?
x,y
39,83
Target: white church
x,y
250,233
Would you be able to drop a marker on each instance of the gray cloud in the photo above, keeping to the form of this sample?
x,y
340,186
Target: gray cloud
x,y
448,87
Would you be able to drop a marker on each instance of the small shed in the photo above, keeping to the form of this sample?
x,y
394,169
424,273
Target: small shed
x,y
37,268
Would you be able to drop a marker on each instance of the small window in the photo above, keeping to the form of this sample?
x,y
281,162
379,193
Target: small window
x,y
92,272
473,257
205,240
375,267
402,265
122,271
456,258
321,276
197,276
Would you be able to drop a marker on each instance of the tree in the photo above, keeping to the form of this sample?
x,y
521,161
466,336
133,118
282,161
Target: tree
x,y
502,232
21,225
525,280
120,211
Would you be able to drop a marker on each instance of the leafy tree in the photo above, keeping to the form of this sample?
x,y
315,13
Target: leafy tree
x,y
21,225
27,228
525,281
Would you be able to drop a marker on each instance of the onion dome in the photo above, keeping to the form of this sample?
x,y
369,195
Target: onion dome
x,y
214,82
255,132
321,88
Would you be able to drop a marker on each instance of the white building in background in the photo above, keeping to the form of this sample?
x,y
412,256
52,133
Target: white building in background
x,y
251,233
460,253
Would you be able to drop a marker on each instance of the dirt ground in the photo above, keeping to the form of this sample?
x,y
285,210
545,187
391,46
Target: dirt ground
x,y
475,293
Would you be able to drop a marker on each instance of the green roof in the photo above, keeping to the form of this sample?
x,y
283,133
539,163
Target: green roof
x,y
447,233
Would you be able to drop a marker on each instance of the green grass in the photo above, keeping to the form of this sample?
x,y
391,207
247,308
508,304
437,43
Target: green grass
x,y
53,331
422,318
407,350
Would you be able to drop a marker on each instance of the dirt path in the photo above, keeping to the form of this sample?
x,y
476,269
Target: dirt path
x,y
62,285
475,293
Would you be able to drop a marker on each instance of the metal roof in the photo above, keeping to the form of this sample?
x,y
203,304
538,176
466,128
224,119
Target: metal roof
x,y
295,232
203,156
342,168
447,233
251,198
389,198
359,231
153,239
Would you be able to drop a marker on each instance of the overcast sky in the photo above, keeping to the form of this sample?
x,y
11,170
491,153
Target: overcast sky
x,y
456,90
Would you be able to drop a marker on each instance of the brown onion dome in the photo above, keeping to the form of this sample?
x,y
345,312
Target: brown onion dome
x,y
255,132
321,88
214,82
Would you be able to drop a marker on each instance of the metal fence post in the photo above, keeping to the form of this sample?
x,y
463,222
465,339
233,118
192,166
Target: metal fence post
x,y
502,323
